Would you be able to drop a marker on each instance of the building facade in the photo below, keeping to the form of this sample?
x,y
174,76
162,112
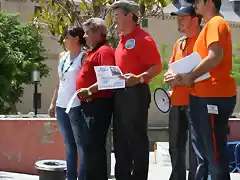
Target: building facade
x,y
164,31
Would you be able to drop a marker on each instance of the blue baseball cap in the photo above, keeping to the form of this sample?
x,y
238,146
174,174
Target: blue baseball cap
x,y
189,10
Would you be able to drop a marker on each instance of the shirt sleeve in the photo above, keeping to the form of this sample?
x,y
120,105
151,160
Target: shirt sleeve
x,y
149,54
216,32
106,57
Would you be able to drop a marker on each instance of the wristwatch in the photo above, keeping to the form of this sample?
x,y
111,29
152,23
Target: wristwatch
x,y
89,92
141,80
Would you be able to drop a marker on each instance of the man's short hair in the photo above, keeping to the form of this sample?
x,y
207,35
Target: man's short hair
x,y
126,11
128,6
217,3
96,24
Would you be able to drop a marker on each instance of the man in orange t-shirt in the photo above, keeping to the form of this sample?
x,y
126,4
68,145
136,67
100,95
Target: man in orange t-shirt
x,y
212,100
189,25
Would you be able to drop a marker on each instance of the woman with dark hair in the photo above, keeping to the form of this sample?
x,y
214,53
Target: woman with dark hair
x,y
70,63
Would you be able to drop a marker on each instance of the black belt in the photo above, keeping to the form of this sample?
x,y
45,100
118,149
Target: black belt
x,y
130,87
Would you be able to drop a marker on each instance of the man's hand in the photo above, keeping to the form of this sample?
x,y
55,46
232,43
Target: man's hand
x,y
131,79
175,83
186,79
84,93
169,77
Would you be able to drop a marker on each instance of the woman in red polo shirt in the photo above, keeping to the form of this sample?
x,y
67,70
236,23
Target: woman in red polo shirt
x,y
96,105
70,63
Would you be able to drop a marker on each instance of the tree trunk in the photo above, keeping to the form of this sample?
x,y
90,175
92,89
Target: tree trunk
x,y
96,8
13,109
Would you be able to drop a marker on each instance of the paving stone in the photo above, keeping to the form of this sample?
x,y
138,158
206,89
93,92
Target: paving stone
x,y
157,170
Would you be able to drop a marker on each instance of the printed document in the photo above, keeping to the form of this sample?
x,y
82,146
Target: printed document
x,y
187,64
69,106
108,77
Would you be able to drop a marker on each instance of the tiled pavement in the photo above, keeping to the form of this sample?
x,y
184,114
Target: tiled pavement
x,y
159,169
156,172
15,176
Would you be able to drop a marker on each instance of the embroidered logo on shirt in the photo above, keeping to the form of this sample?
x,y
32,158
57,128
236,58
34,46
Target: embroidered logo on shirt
x,y
130,44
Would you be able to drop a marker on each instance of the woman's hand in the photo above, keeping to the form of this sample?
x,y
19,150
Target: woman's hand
x,y
52,111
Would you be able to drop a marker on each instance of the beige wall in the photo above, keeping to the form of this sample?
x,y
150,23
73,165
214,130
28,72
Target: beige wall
x,y
163,31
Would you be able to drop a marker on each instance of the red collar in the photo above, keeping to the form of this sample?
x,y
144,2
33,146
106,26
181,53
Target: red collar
x,y
104,43
130,34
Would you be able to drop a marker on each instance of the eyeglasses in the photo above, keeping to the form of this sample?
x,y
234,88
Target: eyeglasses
x,y
183,43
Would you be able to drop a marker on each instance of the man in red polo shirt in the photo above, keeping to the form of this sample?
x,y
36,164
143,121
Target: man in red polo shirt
x,y
96,106
138,58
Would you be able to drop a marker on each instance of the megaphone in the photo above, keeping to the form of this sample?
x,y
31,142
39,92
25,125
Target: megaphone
x,y
162,100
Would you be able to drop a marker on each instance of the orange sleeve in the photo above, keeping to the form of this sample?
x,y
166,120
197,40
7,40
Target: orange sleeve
x,y
216,32
172,59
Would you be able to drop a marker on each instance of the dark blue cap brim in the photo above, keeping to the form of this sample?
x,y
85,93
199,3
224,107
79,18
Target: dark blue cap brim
x,y
179,13
190,10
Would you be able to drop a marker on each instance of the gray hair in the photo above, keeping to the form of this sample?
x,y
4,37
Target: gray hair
x,y
96,24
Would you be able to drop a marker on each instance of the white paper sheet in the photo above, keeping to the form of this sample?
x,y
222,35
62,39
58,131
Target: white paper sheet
x,y
187,64
108,77
71,101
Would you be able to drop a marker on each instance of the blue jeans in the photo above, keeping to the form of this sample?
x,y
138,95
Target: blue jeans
x,y
94,128
209,135
69,127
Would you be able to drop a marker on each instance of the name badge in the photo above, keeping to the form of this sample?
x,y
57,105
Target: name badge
x,y
212,109
130,44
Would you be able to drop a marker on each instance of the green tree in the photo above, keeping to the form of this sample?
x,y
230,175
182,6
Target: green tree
x,y
57,15
158,81
236,64
21,48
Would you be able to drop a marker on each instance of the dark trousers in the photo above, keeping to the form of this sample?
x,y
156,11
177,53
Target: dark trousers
x,y
178,136
210,135
70,131
96,119
130,132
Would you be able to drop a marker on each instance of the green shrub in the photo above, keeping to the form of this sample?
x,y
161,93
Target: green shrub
x,y
236,64
157,82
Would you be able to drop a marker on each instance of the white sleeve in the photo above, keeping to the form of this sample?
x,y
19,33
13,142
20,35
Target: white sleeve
x,y
82,56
